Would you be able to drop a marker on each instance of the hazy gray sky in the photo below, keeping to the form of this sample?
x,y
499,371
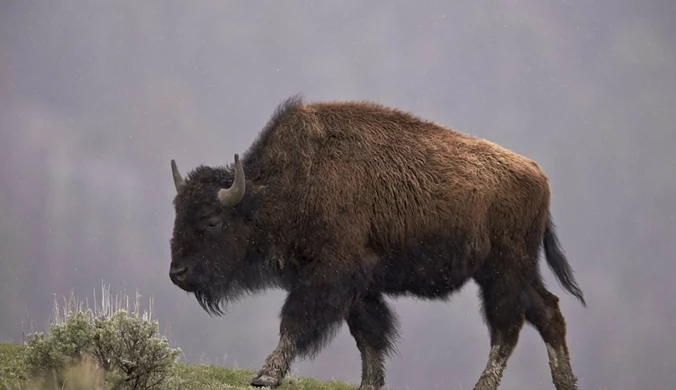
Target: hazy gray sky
x,y
97,97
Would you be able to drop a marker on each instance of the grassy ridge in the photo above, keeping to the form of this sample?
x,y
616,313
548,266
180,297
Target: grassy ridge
x,y
116,343
12,368
13,375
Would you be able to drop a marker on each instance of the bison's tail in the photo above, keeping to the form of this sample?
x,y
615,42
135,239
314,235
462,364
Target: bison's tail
x,y
558,264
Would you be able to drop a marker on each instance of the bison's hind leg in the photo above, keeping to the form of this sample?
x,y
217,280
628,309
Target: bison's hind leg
x,y
543,312
501,282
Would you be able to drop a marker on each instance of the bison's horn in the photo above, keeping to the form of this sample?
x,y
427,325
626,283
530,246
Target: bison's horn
x,y
230,197
178,180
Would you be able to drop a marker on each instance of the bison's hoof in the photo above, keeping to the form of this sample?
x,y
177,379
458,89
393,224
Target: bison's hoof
x,y
265,381
368,387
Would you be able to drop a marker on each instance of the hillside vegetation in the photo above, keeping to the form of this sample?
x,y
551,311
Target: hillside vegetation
x,y
14,375
116,347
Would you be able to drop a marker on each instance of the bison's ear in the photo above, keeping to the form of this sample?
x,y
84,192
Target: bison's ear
x,y
253,201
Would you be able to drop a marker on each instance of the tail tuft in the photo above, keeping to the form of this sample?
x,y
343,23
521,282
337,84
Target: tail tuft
x,y
558,264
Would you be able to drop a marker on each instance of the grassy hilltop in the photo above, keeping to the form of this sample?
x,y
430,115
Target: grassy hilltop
x,y
14,375
100,349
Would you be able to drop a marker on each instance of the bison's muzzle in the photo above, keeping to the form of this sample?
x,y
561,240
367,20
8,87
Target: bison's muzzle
x,y
178,275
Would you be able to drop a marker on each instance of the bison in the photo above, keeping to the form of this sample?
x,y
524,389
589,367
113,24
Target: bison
x,y
343,203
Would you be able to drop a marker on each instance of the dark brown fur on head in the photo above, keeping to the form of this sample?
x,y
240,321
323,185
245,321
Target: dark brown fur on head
x,y
346,201
217,245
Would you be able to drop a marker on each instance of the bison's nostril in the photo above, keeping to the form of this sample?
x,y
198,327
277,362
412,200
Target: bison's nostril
x,y
178,272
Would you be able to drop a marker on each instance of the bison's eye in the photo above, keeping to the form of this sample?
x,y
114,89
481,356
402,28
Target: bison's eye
x,y
214,222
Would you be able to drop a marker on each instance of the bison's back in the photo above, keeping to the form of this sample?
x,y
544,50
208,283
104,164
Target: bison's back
x,y
385,175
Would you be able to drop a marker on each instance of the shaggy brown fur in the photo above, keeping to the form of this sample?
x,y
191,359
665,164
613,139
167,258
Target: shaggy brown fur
x,y
346,202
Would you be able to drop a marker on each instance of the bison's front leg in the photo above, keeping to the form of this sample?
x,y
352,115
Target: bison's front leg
x,y
277,364
311,316
374,327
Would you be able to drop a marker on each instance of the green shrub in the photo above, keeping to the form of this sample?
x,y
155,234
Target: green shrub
x,y
123,344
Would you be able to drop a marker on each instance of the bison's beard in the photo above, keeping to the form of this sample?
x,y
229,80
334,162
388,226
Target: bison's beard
x,y
212,303
215,298
216,294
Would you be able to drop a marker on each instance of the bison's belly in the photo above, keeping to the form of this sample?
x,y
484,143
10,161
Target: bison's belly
x,y
432,266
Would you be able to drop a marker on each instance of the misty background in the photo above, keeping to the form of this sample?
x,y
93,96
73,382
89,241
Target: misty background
x,y
97,97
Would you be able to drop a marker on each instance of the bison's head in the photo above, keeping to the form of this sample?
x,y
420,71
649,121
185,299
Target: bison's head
x,y
213,237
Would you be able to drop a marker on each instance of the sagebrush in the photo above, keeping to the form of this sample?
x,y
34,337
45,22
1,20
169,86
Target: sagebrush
x,y
117,346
